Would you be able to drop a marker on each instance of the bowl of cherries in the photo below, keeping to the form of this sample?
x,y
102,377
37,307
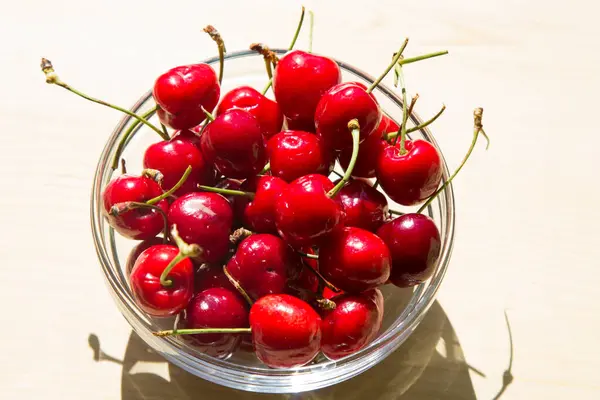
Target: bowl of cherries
x,y
273,232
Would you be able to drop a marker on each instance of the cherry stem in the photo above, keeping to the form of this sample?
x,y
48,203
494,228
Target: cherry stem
x,y
422,57
326,304
311,17
303,254
477,129
266,169
392,135
389,67
129,135
237,285
226,192
121,208
376,184
153,174
123,166
238,235
413,101
354,129
52,78
209,116
170,192
394,212
185,251
201,331
321,278
216,36
400,76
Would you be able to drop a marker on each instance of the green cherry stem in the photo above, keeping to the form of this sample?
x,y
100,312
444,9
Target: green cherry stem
x,y
185,251
209,116
266,169
477,129
392,135
200,331
354,129
394,212
389,67
121,208
216,36
303,254
129,135
170,192
237,285
422,57
321,278
226,192
400,76
52,78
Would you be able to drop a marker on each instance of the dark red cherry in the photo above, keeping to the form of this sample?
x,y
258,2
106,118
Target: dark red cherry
x,y
305,215
234,143
353,324
182,93
355,260
414,243
341,104
258,213
265,110
216,308
204,219
151,296
300,125
263,264
137,250
140,223
364,206
409,178
299,81
286,331
172,158
369,150
293,154
210,276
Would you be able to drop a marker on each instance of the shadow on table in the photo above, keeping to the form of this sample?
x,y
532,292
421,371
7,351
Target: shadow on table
x,y
429,365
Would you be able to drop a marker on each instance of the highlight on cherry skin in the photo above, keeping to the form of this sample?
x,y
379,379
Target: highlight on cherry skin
x,y
243,234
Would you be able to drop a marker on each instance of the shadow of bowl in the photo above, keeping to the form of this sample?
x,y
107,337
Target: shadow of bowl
x,y
429,365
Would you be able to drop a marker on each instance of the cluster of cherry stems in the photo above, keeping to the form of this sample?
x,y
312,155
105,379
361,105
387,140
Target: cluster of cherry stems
x,y
259,246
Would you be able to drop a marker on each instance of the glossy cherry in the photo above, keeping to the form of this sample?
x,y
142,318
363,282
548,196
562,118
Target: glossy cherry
x,y
293,154
410,178
210,276
414,244
153,297
139,249
341,104
184,92
265,110
258,213
364,206
353,324
355,260
299,81
172,157
204,219
216,308
286,331
263,264
233,142
140,223
305,215
369,150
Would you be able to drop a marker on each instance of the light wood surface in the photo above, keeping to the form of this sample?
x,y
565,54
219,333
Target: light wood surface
x,y
527,210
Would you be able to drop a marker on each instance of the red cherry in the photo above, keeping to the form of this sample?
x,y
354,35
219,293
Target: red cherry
x,y
355,260
172,157
211,276
341,104
265,110
286,331
263,264
369,150
139,249
293,154
364,206
237,202
151,296
410,178
258,214
140,223
300,125
182,93
299,81
353,324
216,308
234,143
204,219
305,215
414,243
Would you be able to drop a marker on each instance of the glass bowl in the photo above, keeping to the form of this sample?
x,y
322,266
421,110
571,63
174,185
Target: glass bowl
x,y
404,308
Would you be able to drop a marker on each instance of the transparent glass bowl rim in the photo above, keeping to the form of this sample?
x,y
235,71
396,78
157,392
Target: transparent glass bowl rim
x,y
263,379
